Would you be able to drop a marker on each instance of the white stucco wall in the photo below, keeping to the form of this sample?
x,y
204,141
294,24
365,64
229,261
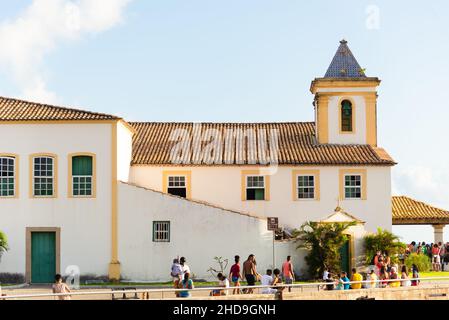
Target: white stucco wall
x,y
359,127
84,223
222,186
198,232
124,152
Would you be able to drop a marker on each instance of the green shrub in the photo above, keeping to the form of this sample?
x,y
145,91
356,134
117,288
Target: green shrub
x,y
420,260
12,278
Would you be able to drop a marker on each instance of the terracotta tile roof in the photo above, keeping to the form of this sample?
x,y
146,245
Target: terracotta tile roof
x,y
20,110
297,145
410,211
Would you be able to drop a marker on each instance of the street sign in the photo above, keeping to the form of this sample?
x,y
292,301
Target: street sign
x,y
273,223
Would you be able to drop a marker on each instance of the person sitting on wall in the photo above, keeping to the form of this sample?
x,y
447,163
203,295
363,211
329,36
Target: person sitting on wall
x,y
356,277
186,283
222,282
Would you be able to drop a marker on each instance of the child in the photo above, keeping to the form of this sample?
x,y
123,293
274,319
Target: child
x,y
176,273
60,287
344,280
415,273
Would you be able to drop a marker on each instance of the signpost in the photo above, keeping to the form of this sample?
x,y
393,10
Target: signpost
x,y
273,225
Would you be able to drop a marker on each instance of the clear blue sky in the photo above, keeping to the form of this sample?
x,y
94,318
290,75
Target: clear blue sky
x,y
250,61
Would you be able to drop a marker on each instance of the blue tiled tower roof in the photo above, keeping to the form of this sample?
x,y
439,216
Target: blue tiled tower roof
x,y
344,64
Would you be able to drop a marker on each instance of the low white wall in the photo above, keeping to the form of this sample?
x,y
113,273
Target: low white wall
x,y
198,231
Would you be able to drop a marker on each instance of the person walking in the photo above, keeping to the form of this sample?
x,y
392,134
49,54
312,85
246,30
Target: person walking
x,y
235,274
287,272
250,272
60,287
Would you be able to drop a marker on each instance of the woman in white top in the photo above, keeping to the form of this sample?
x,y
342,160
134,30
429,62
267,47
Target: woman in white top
x,y
404,277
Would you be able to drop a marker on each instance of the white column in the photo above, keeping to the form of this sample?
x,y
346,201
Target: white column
x,y
438,232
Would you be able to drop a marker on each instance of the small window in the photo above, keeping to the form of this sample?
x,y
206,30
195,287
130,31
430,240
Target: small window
x,y
306,187
353,186
43,176
161,231
177,186
255,188
82,176
7,176
346,116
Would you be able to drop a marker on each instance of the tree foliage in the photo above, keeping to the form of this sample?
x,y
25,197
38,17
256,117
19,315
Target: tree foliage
x,y
323,241
420,260
383,241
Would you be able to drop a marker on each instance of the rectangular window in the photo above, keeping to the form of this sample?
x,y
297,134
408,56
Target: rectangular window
x,y
161,231
353,186
177,186
306,187
82,176
43,176
7,176
255,188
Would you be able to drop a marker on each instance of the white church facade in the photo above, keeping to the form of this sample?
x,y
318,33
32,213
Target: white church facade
x,y
118,198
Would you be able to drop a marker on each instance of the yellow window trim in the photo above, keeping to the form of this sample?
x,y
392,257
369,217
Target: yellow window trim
x,y
323,118
16,174
257,172
371,119
362,173
55,174
94,175
185,173
295,174
353,115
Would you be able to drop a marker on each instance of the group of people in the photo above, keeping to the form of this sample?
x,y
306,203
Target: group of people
x,y
238,272
437,252
180,273
249,273
385,278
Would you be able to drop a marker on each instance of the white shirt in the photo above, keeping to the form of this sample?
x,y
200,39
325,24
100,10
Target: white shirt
x,y
224,283
266,280
325,275
185,269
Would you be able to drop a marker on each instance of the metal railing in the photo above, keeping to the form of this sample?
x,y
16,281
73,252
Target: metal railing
x,y
318,285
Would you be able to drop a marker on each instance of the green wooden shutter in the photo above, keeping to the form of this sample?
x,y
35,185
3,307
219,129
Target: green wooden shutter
x,y
82,166
346,116
260,194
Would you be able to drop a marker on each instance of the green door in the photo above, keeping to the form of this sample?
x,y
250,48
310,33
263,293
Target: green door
x,y
344,257
43,257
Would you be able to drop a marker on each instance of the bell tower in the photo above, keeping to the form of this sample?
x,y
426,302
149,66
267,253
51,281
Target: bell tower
x,y
345,102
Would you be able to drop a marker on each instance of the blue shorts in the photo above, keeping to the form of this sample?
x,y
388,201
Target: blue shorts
x,y
235,279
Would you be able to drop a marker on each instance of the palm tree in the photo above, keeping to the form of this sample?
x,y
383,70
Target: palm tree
x,y
383,241
323,241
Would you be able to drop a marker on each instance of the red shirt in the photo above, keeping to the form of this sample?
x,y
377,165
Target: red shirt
x,y
235,270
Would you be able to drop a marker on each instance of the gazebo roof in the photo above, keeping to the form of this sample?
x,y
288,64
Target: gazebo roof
x,y
407,211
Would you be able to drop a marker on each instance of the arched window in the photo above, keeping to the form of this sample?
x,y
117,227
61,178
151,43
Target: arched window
x,y
346,116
